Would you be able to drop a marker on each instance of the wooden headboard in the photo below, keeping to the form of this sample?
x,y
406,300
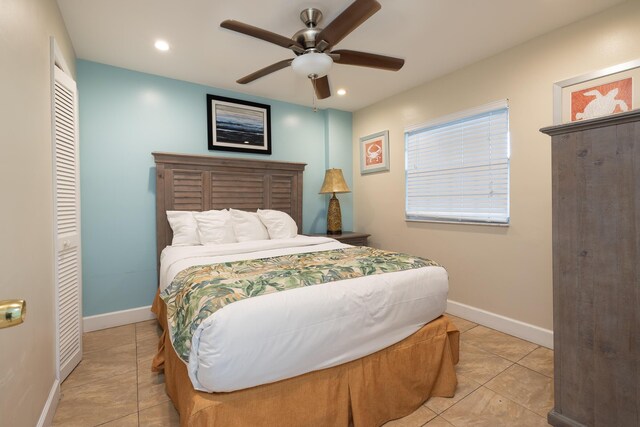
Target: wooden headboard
x,y
200,183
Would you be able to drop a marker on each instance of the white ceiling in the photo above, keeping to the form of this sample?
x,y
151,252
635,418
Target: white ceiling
x,y
434,37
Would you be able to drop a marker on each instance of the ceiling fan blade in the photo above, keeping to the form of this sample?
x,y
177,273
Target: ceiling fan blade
x,y
350,19
321,86
261,34
264,71
363,59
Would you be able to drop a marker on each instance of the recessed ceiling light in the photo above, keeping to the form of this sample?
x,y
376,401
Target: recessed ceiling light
x,y
161,45
342,92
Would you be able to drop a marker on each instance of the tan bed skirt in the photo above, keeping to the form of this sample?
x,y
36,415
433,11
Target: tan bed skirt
x,y
369,391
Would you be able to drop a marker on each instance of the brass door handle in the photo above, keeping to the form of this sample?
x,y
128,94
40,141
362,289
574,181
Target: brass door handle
x,y
12,312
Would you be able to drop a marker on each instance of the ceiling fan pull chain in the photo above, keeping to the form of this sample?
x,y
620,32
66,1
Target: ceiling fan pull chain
x,y
313,99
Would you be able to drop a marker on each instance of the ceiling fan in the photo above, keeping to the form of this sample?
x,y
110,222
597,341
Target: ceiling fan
x,y
313,45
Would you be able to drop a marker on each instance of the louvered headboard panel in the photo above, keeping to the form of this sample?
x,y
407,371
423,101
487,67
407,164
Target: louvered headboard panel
x,y
244,191
281,187
188,191
200,183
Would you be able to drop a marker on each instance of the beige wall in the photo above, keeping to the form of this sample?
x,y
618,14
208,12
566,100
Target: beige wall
x,y
27,356
502,270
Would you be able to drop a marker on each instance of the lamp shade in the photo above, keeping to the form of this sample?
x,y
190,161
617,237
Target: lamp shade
x,y
312,64
334,182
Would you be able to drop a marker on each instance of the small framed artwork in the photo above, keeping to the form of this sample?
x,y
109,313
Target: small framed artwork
x,y
239,126
601,93
374,152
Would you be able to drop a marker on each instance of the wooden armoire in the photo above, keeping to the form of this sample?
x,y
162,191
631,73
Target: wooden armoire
x,y
596,271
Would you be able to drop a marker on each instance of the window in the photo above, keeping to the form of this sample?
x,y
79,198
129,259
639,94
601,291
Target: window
x,y
457,167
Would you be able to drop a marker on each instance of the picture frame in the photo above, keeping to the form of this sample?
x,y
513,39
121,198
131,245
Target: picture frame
x,y
582,97
238,126
374,153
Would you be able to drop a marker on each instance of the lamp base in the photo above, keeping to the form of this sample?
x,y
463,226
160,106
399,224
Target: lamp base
x,y
334,216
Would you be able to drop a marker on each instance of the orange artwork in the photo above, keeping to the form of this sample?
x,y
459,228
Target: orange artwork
x,y
601,100
373,152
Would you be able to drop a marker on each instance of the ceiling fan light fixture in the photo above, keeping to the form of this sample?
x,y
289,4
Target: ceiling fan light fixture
x,y
312,64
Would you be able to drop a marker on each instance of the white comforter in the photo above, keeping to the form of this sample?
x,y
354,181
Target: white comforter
x,y
284,334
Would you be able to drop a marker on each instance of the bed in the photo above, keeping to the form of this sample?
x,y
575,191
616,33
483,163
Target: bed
x,y
386,375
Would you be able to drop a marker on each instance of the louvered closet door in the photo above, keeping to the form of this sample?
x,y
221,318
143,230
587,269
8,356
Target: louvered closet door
x,y
67,224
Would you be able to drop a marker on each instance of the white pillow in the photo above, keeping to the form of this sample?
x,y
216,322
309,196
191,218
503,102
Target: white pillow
x,y
247,226
279,224
215,227
185,228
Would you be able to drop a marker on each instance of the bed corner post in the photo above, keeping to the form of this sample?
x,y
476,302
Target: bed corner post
x,y
161,214
299,201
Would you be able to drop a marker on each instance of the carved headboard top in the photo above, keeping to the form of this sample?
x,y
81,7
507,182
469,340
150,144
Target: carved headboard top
x,y
200,183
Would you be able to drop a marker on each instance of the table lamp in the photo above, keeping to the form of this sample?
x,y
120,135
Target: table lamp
x,y
334,183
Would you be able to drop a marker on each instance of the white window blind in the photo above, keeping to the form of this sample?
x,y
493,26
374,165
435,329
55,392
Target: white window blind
x,y
457,169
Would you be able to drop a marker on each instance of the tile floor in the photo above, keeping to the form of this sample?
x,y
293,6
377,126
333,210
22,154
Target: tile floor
x,y
502,381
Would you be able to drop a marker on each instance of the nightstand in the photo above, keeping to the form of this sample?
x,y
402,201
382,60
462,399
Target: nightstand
x,y
348,237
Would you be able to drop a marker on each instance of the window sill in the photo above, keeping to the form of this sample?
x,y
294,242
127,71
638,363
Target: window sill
x,y
443,221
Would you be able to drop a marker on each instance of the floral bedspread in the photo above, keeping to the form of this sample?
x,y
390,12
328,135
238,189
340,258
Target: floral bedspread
x,y
199,291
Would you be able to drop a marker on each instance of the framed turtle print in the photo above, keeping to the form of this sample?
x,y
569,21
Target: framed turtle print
x,y
374,153
601,93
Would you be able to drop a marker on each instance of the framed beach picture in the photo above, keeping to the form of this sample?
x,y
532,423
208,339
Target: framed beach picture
x,y
374,153
239,126
601,93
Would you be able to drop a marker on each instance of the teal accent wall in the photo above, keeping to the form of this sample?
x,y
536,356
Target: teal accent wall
x,y
124,116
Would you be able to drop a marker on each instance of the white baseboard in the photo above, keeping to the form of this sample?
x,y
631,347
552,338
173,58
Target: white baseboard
x,y
117,318
526,331
49,410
